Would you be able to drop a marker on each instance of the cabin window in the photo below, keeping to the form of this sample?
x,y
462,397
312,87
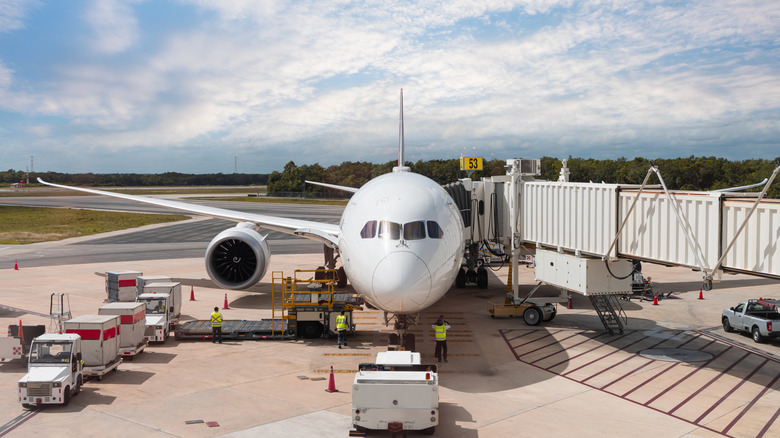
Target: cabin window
x,y
369,230
434,230
414,230
739,308
389,230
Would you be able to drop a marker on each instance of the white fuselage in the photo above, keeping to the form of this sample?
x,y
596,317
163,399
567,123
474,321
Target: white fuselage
x,y
401,241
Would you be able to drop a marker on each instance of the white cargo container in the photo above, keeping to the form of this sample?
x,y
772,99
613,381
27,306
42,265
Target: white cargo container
x,y
99,342
143,280
397,393
121,285
132,323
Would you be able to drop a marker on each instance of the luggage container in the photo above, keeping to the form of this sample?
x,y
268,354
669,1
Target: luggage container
x,y
121,285
99,342
143,280
132,317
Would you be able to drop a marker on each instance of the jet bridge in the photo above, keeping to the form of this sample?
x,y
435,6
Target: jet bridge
x,y
710,232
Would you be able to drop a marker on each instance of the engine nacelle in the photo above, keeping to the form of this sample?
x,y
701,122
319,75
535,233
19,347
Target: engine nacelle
x,y
238,257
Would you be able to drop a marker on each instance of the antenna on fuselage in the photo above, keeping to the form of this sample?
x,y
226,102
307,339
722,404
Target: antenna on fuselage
x,y
401,131
401,167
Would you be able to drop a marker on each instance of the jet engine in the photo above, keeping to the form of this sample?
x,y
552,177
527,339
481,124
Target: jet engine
x,y
238,257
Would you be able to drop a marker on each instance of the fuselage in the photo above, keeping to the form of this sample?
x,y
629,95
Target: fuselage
x,y
401,241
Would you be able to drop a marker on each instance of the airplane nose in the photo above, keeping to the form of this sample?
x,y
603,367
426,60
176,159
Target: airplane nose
x,y
402,282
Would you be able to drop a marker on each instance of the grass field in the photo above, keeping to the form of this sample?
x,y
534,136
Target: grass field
x,y
37,191
21,225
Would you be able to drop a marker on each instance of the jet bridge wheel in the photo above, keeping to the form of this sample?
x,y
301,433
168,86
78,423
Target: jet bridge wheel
x,y
532,316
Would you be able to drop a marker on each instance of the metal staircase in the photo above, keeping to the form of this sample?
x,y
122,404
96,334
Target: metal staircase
x,y
610,312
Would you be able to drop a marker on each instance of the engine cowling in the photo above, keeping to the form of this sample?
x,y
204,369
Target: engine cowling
x,y
238,257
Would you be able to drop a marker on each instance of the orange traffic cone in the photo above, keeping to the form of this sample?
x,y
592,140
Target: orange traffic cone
x,y
332,382
16,265
655,299
192,293
569,305
701,294
226,304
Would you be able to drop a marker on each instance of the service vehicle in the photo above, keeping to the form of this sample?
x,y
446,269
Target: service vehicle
x,y
753,316
397,393
16,345
54,370
301,307
163,309
99,343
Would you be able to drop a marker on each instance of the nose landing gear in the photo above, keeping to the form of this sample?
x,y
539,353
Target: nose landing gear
x,y
402,339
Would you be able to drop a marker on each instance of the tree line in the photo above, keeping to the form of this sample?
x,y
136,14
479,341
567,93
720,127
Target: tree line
x,y
691,173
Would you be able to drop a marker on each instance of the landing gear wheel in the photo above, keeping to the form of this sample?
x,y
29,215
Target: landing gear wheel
x,y
532,316
482,278
726,326
342,275
757,337
460,279
409,343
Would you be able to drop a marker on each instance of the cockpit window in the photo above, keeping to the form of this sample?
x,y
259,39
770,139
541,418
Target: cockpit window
x,y
434,230
414,230
389,230
369,230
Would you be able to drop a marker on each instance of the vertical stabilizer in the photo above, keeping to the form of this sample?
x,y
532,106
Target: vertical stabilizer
x,y
401,132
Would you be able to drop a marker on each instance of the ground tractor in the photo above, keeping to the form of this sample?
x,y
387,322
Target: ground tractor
x,y
54,371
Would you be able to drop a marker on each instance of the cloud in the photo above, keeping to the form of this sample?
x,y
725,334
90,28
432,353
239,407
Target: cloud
x,y
12,13
113,24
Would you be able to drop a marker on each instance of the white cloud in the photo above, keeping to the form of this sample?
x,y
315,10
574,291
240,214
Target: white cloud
x,y
12,13
114,25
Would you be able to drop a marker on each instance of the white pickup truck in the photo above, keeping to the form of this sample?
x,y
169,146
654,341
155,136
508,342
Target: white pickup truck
x,y
753,316
397,393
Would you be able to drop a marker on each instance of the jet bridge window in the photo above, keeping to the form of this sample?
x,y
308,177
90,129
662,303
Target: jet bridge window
x,y
414,230
434,230
389,230
369,230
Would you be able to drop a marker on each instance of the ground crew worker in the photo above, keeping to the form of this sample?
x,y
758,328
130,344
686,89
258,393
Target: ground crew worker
x,y
216,326
440,330
341,328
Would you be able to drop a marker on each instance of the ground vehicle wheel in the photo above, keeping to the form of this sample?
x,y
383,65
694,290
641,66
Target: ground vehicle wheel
x,y
409,342
460,279
78,386
429,431
482,278
532,316
28,406
726,326
66,397
552,316
757,335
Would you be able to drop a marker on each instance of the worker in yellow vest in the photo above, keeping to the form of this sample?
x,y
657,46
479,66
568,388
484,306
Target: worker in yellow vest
x,y
216,326
440,331
341,328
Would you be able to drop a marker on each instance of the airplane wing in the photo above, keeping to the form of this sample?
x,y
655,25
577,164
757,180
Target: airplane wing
x,y
334,186
320,231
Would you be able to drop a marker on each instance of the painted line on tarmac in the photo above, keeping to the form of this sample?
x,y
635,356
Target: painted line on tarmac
x,y
347,354
18,421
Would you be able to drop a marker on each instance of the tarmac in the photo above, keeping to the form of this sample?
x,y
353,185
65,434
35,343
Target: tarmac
x,y
565,377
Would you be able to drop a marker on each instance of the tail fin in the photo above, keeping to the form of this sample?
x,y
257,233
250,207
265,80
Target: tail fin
x,y
401,132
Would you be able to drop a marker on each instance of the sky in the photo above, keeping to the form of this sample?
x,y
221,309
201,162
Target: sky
x,y
218,86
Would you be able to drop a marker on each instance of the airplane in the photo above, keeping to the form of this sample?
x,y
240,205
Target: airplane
x,y
400,240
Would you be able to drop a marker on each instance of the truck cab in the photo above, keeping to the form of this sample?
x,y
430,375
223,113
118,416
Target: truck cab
x,y
158,316
54,371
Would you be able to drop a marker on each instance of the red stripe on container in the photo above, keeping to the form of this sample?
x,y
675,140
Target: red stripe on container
x,y
109,333
85,333
126,283
139,316
126,319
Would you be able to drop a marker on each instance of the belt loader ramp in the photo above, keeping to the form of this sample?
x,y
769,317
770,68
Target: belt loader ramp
x,y
712,232
303,305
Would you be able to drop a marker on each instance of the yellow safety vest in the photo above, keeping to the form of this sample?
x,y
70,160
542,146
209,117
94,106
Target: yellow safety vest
x,y
341,323
216,319
441,332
